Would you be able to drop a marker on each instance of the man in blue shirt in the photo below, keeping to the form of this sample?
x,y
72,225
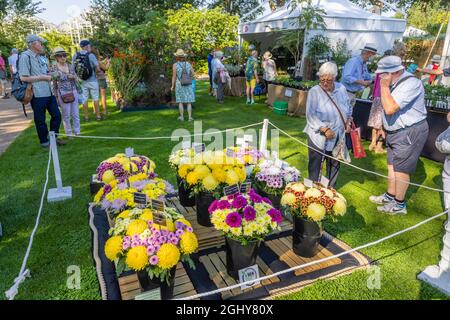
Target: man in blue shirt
x,y
356,76
406,127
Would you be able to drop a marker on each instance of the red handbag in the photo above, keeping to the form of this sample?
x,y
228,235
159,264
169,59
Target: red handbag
x,y
358,148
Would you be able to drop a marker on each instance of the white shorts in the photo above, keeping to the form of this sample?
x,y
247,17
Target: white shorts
x,y
90,88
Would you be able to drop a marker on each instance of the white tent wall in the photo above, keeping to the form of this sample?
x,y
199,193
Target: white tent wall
x,y
343,21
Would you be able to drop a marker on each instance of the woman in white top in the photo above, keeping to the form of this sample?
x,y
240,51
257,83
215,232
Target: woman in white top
x,y
270,68
325,123
218,70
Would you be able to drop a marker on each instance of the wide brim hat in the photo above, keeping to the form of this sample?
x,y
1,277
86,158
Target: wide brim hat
x,y
390,64
58,51
180,53
436,58
370,47
267,55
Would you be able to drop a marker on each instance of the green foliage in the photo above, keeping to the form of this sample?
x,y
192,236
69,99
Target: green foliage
x,y
200,30
56,39
287,81
430,19
234,70
318,46
340,52
19,7
201,66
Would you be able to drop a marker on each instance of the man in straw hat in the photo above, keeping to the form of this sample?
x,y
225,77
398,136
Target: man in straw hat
x,y
356,76
33,69
406,127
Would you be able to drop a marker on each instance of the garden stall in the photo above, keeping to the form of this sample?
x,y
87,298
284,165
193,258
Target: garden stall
x,y
343,20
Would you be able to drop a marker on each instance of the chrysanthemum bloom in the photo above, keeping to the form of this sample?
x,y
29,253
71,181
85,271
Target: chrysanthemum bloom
x,y
147,215
340,207
210,183
254,197
137,258
192,178
249,213
108,176
202,171
328,192
113,247
219,174
316,212
275,215
239,202
267,200
153,260
136,227
233,220
313,193
188,243
288,199
223,204
168,256
185,222
125,214
232,178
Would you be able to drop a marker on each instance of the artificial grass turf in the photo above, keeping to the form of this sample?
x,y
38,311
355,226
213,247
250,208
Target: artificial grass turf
x,y
64,239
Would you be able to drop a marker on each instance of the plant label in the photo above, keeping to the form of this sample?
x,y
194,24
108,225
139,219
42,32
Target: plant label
x,y
308,183
154,294
249,274
199,148
239,141
230,153
129,152
288,93
186,145
325,181
248,138
246,187
231,190
278,163
140,199
159,218
158,205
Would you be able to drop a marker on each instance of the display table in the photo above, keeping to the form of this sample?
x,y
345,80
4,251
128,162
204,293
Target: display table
x,y
295,98
437,120
237,87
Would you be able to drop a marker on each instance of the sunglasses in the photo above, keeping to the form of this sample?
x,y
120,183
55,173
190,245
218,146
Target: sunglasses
x,y
61,55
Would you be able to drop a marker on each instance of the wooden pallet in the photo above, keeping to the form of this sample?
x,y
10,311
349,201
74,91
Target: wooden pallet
x,y
130,286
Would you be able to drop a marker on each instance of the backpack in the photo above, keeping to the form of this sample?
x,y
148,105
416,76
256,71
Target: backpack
x,y
22,91
186,79
83,66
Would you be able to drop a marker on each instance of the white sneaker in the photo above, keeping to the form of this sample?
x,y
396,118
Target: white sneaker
x,y
380,199
180,119
393,209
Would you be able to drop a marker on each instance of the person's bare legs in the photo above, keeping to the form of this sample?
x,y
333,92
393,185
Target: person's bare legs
x,y
401,185
189,108
391,181
374,140
97,109
248,94
181,110
103,98
2,88
86,110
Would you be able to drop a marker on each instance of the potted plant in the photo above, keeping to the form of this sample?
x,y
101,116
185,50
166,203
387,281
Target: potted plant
x,y
118,195
245,220
139,244
249,156
271,177
176,159
310,207
209,173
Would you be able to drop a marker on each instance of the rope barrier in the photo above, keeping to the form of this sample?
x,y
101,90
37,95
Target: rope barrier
x,y
356,167
25,273
162,137
197,296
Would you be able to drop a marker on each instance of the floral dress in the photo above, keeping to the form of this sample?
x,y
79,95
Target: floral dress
x,y
376,111
184,94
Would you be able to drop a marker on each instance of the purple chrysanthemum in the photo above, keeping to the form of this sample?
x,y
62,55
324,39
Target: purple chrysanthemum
x,y
153,260
254,197
150,250
249,213
189,229
267,200
223,204
174,241
239,202
233,220
275,215
179,232
213,207
118,204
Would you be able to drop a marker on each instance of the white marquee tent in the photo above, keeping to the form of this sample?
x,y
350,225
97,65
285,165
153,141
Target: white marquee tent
x,y
343,19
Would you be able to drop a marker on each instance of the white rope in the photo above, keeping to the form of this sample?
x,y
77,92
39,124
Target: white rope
x,y
162,137
356,167
197,296
25,273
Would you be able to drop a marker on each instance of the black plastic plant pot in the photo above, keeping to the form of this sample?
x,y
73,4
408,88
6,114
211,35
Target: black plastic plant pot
x,y
276,200
306,237
148,284
184,194
239,256
203,200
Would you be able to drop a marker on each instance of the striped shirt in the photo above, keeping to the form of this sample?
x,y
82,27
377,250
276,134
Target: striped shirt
x,y
31,65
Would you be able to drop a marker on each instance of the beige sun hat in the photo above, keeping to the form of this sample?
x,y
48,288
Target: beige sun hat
x,y
58,50
180,53
267,55
436,58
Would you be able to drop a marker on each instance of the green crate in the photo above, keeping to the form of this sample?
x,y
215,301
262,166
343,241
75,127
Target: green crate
x,y
280,107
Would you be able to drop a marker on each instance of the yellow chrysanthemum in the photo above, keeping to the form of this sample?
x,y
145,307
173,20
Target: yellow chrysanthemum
x,y
192,178
136,227
298,187
108,176
99,195
316,212
184,221
147,215
202,171
232,178
328,192
137,258
188,243
170,226
168,256
113,247
340,207
210,183
248,159
288,199
184,170
313,193
219,174
125,214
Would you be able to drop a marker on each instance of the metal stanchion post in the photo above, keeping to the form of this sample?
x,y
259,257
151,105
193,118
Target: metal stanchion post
x,y
60,193
438,276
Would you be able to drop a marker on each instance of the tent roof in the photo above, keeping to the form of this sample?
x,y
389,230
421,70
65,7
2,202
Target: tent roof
x,y
338,15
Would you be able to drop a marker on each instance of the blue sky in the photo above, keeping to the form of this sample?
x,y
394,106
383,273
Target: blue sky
x,y
58,11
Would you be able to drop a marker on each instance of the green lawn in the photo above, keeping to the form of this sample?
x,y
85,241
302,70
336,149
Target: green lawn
x,y
64,237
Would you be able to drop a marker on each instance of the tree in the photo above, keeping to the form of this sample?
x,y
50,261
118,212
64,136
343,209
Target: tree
x,y
56,39
200,30
406,4
19,7
243,7
429,20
